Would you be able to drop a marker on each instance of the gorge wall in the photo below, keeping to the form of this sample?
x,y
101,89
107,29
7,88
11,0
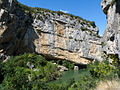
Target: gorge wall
x,y
50,33
111,37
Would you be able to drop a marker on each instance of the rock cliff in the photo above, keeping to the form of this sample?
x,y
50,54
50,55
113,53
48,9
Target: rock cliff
x,y
111,37
53,34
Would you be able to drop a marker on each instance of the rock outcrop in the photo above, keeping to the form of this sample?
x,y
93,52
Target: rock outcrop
x,y
14,24
61,68
53,34
111,38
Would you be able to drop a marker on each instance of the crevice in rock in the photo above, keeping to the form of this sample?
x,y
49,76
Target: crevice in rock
x,y
112,38
118,6
18,23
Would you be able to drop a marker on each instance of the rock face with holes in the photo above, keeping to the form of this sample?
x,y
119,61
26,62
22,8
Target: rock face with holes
x,y
111,38
14,27
53,34
65,37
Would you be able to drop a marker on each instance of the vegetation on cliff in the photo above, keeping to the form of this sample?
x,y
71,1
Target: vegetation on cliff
x,y
113,2
34,72
42,10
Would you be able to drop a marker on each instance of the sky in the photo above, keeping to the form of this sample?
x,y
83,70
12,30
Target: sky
x,y
87,9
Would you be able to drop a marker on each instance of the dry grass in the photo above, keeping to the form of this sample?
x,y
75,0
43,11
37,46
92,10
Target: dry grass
x,y
109,85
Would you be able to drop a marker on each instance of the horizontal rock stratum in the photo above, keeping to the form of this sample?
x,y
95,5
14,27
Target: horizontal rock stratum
x,y
56,35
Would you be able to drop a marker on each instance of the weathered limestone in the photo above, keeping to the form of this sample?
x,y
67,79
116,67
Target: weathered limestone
x,y
61,68
111,38
63,38
55,35
76,68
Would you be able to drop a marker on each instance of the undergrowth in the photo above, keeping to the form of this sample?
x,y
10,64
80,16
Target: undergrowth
x,y
34,72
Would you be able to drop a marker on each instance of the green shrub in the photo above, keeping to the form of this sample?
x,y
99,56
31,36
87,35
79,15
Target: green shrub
x,y
93,24
66,63
113,2
28,71
85,82
102,44
86,29
69,65
1,76
115,62
61,86
115,58
103,70
33,72
39,31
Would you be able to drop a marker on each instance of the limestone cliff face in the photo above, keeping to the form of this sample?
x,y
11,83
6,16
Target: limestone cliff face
x,y
111,38
14,24
64,37
53,34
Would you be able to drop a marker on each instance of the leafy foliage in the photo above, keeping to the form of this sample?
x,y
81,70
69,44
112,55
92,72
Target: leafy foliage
x,y
66,63
85,82
33,72
61,86
103,44
93,24
113,2
27,71
103,70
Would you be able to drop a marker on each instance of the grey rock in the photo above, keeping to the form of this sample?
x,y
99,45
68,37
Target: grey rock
x,y
76,68
53,35
111,37
62,68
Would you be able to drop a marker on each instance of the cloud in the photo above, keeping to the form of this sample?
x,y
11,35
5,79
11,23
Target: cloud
x,y
64,11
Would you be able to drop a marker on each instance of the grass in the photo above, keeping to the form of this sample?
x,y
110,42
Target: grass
x,y
109,85
75,80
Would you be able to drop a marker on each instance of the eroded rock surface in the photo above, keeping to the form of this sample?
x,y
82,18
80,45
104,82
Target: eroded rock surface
x,y
64,37
14,24
111,38
53,34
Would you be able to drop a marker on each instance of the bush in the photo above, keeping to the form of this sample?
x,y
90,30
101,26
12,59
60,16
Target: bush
x,y
85,82
103,70
33,72
1,76
93,24
113,2
65,63
69,65
61,86
115,62
27,71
